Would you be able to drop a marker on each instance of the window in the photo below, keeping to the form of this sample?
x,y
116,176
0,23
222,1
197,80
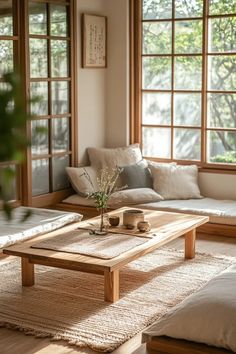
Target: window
x,y
185,80
45,55
9,40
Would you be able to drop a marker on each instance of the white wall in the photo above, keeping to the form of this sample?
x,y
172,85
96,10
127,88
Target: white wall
x,y
91,91
218,185
117,94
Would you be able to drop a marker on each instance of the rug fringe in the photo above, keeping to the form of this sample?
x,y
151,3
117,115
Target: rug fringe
x,y
56,337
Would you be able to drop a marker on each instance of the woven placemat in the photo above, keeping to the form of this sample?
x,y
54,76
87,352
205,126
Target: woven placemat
x,y
100,246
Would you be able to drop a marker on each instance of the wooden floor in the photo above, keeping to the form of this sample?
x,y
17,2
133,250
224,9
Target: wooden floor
x,y
13,342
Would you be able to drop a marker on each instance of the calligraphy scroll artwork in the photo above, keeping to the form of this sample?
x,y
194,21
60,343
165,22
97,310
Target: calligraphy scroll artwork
x,y
94,41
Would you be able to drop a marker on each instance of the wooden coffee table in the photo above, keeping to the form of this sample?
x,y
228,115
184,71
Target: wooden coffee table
x,y
166,227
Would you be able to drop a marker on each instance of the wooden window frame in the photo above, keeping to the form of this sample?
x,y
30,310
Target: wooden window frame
x,y
21,60
136,85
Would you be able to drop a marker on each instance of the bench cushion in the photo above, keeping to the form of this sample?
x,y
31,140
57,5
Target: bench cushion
x,y
41,221
111,158
120,198
219,211
175,181
83,179
208,316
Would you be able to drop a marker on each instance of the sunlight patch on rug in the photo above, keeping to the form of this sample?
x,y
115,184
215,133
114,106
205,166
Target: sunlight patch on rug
x,y
69,305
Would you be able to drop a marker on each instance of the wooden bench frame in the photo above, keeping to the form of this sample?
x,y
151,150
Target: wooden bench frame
x,y
209,228
166,345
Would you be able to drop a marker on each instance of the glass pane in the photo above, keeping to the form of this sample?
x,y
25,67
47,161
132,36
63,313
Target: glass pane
x,y
188,37
156,9
187,144
187,109
60,180
40,91
6,56
222,73
58,20
219,7
60,93
6,19
59,58
222,110
38,58
222,33
157,142
10,190
40,177
37,18
39,137
156,108
157,73
221,147
157,38
188,73
188,8
4,86
60,134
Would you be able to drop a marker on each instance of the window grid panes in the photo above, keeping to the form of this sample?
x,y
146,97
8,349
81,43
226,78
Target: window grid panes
x,y
183,117
50,81
8,50
47,64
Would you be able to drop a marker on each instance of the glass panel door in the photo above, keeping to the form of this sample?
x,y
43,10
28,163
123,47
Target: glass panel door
x,y
49,50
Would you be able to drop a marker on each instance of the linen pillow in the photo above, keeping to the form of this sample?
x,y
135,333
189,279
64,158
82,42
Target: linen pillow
x,y
136,176
81,184
175,181
111,158
208,316
133,196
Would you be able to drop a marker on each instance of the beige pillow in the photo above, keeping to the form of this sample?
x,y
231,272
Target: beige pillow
x,y
111,158
208,316
175,181
81,184
156,164
133,196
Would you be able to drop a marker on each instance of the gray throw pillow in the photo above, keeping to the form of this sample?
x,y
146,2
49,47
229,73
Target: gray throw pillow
x,y
136,176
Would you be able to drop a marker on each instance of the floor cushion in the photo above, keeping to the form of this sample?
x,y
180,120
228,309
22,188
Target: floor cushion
x,y
208,316
41,221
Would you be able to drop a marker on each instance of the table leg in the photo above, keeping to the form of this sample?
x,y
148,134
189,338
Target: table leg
x,y
27,272
111,286
190,238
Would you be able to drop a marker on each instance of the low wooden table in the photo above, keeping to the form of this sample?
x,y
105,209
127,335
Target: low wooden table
x,y
166,227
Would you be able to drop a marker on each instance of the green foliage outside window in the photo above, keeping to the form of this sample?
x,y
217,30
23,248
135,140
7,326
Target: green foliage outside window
x,y
157,39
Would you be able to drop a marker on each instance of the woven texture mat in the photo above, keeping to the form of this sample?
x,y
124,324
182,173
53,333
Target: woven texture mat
x,y
100,246
69,305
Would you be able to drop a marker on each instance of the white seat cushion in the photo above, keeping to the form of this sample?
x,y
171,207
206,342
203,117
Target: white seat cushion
x,y
120,198
219,211
41,221
208,316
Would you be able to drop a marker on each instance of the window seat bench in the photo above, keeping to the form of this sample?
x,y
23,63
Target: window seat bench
x,y
222,213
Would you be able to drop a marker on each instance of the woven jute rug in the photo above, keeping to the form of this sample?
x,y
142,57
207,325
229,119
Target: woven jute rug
x,y
69,305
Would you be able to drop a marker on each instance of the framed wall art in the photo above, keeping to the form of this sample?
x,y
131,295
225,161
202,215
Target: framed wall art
x,y
94,35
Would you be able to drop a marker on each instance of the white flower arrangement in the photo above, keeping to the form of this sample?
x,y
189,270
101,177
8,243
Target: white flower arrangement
x,y
106,182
